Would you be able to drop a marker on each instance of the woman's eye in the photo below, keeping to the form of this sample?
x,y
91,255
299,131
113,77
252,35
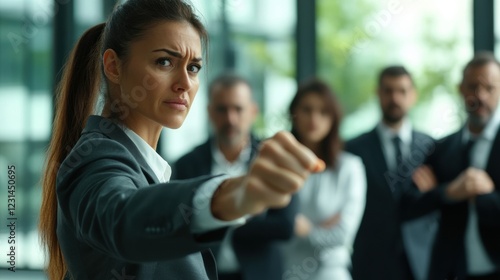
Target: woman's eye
x,y
163,62
194,68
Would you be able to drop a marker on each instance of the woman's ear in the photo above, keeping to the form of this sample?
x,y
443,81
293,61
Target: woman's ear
x,y
112,66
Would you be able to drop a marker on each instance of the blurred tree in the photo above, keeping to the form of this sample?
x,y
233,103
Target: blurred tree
x,y
354,45
341,36
356,39
440,70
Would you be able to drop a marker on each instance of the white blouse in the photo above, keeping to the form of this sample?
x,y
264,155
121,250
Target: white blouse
x,y
326,253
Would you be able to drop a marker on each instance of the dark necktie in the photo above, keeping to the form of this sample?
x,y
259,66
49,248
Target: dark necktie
x,y
466,153
395,183
396,141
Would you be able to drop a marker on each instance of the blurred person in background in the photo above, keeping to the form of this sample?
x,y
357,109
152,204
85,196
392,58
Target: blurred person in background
x,y
385,247
331,203
250,251
465,169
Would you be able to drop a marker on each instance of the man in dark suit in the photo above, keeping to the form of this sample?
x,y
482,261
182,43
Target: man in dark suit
x,y
384,247
250,251
466,166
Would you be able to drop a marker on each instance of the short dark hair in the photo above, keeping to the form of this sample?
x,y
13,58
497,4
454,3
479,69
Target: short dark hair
x,y
393,71
332,145
480,59
226,80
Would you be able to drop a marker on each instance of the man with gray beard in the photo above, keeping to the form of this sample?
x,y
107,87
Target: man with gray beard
x,y
251,251
465,167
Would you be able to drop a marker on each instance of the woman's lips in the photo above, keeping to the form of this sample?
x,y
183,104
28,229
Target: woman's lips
x,y
180,105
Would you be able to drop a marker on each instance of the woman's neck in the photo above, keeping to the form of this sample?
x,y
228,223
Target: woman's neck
x,y
147,129
149,133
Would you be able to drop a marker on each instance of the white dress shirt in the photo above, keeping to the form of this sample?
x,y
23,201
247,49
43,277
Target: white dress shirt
x,y
387,134
478,261
202,219
160,167
226,258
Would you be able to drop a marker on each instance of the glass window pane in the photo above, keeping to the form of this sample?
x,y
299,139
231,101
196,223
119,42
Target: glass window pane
x,y
26,108
26,101
432,39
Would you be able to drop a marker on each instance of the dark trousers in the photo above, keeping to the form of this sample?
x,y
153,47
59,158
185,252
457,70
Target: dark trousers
x,y
230,276
493,276
406,269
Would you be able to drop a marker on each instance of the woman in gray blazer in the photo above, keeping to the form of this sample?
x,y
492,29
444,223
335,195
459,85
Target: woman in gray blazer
x,y
331,202
108,208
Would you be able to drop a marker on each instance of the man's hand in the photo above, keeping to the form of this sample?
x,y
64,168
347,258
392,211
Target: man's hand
x,y
279,170
424,178
470,183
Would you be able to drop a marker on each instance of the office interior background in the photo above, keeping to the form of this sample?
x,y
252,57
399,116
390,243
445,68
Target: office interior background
x,y
273,43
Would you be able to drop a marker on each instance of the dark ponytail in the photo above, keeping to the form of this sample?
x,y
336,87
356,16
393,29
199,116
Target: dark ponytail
x,y
76,96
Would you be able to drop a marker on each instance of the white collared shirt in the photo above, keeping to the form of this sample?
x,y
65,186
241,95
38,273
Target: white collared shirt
x,y
202,219
220,165
160,167
478,261
226,258
387,134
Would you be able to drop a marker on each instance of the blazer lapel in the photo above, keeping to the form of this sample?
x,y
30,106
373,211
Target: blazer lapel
x,y
378,156
420,148
206,157
113,131
493,161
254,150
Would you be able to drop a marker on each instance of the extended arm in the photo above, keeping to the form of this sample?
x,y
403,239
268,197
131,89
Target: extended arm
x,y
110,206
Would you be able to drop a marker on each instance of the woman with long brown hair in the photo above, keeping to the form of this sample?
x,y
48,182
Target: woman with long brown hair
x,y
331,202
108,210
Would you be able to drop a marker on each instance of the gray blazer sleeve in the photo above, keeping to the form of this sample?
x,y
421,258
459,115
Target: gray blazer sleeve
x,y
105,197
